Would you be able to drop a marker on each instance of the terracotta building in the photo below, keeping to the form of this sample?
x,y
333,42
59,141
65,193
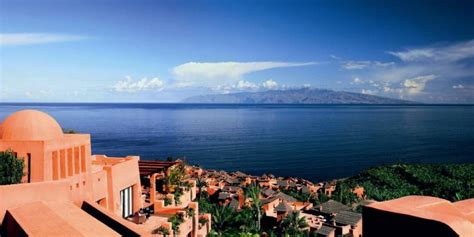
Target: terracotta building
x,y
67,191
419,216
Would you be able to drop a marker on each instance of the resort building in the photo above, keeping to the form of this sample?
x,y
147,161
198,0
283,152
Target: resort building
x,y
419,216
337,219
80,194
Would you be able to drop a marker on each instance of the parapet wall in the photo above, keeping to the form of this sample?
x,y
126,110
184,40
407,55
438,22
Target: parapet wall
x,y
14,195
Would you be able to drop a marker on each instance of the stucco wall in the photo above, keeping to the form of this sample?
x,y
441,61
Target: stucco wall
x,y
18,194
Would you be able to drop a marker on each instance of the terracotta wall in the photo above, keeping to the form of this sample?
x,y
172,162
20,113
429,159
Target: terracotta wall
x,y
36,150
120,176
18,194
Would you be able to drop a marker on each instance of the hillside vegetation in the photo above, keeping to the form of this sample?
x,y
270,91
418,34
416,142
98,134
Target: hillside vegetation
x,y
452,182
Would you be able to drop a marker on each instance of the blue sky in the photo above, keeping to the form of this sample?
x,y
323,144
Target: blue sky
x,y
165,51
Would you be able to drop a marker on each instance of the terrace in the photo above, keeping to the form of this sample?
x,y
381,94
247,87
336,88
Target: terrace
x,y
169,194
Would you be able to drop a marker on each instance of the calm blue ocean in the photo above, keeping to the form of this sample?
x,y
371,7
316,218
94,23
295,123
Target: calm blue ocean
x,y
317,142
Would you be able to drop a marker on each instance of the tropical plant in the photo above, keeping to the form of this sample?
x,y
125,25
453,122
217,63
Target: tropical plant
x,y
11,168
167,201
200,183
293,224
222,217
190,212
175,176
344,194
203,220
204,203
245,220
253,192
177,196
176,221
161,230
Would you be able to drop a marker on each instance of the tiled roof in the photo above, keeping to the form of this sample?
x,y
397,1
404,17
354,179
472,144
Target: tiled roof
x,y
285,197
332,206
232,189
325,230
232,181
283,207
281,196
304,189
223,195
240,174
282,183
268,192
348,218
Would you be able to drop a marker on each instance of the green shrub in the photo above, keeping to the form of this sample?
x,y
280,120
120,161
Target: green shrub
x,y
11,168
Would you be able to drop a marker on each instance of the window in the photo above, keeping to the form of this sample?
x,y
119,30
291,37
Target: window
x,y
83,159
126,202
62,161
70,164
55,165
77,163
29,167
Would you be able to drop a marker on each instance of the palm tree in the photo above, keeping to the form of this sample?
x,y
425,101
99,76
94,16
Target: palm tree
x,y
293,224
246,220
201,183
253,192
221,217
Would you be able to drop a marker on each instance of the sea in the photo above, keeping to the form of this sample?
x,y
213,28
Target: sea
x,y
315,142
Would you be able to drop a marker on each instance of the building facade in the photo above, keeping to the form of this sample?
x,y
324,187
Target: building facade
x,y
419,216
79,194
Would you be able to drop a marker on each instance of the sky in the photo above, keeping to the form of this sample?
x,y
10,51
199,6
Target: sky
x,y
166,51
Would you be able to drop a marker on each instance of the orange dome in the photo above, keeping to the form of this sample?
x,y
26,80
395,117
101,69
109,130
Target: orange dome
x,y
30,125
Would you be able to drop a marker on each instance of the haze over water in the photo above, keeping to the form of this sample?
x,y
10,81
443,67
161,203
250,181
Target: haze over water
x,y
317,142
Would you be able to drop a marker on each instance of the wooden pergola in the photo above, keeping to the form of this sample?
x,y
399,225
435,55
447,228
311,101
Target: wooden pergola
x,y
149,167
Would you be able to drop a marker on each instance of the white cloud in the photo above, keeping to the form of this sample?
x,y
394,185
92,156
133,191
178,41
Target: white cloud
x,y
243,85
46,92
270,84
436,65
357,81
459,86
417,84
10,39
369,92
410,87
449,53
246,85
354,65
223,73
131,86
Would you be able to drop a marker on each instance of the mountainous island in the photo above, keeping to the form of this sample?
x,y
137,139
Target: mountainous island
x,y
294,96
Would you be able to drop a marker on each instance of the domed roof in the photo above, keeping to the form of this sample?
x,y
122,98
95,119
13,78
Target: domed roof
x,y
30,125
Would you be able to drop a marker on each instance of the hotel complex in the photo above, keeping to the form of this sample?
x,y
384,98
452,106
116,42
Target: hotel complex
x,y
67,191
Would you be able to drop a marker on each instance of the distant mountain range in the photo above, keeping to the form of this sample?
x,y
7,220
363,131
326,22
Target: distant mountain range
x,y
295,96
